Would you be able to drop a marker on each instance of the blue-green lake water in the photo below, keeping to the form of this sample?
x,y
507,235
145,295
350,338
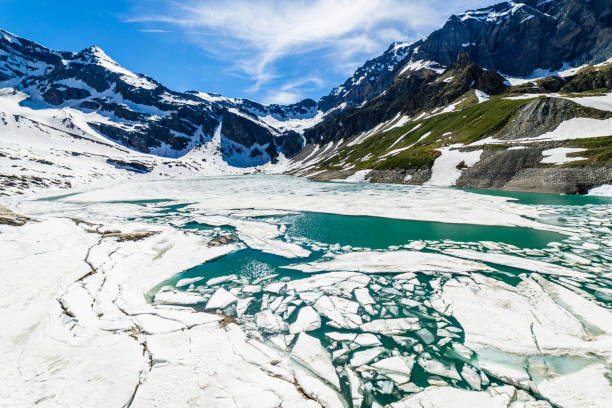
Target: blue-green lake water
x,y
574,232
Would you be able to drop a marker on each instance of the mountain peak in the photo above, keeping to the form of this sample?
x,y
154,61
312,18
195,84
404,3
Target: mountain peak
x,y
95,54
8,36
493,13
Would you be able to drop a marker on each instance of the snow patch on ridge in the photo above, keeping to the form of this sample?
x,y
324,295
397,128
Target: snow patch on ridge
x,y
445,172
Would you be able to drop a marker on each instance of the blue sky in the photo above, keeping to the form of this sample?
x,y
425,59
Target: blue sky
x,y
268,50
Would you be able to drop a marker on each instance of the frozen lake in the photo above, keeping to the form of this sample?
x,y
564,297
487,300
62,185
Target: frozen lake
x,y
375,294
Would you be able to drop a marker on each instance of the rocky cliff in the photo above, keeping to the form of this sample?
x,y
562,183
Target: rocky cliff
x,y
396,116
135,110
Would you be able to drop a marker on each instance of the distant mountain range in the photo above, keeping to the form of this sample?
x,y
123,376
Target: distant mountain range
x,y
483,48
512,38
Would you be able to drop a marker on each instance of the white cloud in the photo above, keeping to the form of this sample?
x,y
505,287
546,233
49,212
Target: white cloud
x,y
292,91
281,97
255,35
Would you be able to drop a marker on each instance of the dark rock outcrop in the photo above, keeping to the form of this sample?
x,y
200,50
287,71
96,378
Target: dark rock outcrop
x,y
419,91
134,166
590,79
8,217
247,133
142,114
496,168
544,115
511,38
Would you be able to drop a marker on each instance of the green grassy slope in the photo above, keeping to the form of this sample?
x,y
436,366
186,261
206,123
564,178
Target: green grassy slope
x,y
471,122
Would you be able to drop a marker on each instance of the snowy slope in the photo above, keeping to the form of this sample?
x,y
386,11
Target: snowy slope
x,y
135,110
52,149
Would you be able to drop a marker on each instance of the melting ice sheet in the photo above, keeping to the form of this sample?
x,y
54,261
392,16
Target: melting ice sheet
x,y
328,295
293,194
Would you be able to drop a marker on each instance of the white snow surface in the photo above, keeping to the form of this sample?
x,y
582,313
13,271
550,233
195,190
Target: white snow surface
x,y
73,336
604,190
603,102
444,171
298,195
579,128
401,122
559,155
482,97
572,129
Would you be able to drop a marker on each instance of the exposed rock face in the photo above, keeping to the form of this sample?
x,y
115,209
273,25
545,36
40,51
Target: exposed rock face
x,y
521,170
496,168
137,111
544,115
414,177
134,166
248,134
510,37
8,217
560,180
410,94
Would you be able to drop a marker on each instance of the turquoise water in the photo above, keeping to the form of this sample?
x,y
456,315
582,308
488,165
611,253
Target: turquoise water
x,y
586,249
245,263
545,199
379,233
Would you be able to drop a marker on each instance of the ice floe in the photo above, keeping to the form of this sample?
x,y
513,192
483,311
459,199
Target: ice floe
x,y
258,235
515,262
307,320
400,326
221,299
145,360
447,397
290,194
605,190
187,281
537,334
309,351
392,262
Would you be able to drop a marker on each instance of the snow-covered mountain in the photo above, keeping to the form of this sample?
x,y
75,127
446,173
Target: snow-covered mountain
x,y
516,39
464,84
139,113
86,99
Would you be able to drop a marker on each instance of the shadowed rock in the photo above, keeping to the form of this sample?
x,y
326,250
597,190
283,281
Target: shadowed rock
x,y
7,217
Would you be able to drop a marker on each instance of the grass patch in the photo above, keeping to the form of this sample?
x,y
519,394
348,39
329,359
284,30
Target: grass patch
x,y
465,126
594,92
418,158
598,153
470,100
472,121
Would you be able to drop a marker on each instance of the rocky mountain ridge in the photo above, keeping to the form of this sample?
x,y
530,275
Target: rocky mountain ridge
x,y
516,39
473,58
139,112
